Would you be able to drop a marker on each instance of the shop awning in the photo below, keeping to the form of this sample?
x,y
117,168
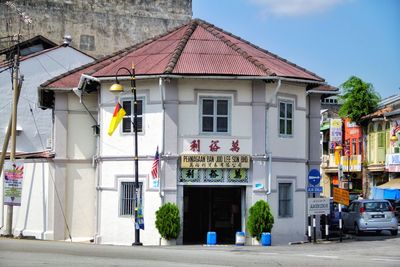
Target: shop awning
x,y
392,184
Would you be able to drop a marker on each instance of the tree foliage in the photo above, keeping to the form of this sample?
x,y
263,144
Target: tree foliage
x,y
359,99
260,219
168,221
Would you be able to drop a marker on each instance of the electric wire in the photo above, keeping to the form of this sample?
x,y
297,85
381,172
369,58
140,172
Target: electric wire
x,y
41,141
3,107
51,175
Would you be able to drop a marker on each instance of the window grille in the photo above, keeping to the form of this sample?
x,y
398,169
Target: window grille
x,y
127,197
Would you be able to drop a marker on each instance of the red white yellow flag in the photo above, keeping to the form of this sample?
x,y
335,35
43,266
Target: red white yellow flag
x,y
119,113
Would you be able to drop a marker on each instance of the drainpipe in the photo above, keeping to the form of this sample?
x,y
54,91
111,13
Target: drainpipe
x,y
162,89
97,165
269,173
267,141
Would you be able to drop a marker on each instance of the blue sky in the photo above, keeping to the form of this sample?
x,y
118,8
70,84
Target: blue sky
x,y
333,38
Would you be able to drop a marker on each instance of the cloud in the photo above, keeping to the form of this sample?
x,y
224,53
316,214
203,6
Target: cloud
x,y
295,7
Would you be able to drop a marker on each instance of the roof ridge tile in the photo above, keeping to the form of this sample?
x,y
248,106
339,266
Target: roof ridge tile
x,y
120,52
191,27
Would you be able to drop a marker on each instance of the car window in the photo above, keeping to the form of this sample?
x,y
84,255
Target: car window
x,y
376,206
351,207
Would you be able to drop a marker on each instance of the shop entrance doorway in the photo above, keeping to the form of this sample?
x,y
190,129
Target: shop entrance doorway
x,y
216,209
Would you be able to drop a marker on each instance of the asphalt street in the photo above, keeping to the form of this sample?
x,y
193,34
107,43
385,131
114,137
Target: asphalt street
x,y
368,250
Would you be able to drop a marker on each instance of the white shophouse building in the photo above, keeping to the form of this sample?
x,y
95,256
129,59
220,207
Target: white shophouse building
x,y
233,124
40,61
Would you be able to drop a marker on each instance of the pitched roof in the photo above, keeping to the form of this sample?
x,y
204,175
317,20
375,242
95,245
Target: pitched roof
x,y
196,48
38,39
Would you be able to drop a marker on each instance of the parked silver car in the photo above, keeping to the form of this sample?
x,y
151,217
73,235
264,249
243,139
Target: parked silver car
x,y
369,215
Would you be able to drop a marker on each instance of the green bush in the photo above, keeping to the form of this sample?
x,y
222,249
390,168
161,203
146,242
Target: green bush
x,y
260,219
167,221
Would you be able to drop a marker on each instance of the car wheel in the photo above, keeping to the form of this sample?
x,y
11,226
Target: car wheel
x,y
394,232
357,230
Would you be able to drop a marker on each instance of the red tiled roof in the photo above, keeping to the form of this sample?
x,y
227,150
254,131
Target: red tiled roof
x,y
196,48
378,113
326,87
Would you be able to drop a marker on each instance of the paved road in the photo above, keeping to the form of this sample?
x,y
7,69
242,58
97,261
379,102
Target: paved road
x,y
373,251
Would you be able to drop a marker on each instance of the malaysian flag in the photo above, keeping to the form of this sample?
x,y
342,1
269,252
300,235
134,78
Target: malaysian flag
x,y
154,168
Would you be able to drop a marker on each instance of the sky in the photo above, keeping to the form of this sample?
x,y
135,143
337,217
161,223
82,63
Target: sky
x,y
335,39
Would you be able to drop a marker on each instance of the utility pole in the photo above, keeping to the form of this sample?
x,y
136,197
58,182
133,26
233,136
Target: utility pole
x,y
16,92
13,136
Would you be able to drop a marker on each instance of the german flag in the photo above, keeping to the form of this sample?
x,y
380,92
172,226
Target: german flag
x,y
119,113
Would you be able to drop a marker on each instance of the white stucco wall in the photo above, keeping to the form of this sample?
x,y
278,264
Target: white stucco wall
x,y
289,154
239,94
293,147
116,165
30,219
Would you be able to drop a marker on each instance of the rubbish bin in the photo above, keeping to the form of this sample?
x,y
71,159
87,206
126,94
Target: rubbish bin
x,y
240,239
266,239
211,238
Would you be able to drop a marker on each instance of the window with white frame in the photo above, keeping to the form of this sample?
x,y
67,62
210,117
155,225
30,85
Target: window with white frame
x,y
127,121
215,115
285,208
285,118
127,198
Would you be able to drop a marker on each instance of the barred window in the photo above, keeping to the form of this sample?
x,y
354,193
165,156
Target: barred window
x,y
127,198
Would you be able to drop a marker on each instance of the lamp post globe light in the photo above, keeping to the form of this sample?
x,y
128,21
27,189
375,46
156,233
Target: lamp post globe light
x,y
117,87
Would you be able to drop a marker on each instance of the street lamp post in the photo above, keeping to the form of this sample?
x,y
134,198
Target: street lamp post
x,y
118,88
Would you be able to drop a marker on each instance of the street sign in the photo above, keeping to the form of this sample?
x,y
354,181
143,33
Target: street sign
x,y
314,177
318,206
314,189
341,196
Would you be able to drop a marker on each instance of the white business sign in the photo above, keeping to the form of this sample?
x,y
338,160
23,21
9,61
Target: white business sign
x,y
335,131
318,206
13,175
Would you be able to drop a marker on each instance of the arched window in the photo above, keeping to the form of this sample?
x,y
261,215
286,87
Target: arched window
x,y
371,128
379,127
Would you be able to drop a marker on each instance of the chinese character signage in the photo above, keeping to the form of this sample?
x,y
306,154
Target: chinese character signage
x,y
238,174
190,175
336,130
13,174
214,175
392,162
215,161
213,145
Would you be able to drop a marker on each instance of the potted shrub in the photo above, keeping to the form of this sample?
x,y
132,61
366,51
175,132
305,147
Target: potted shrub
x,y
260,219
168,223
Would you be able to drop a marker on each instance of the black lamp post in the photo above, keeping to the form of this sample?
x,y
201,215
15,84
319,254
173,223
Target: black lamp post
x,y
119,88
